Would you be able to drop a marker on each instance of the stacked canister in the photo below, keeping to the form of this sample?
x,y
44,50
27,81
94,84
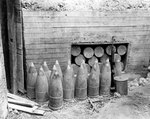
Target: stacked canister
x,y
88,74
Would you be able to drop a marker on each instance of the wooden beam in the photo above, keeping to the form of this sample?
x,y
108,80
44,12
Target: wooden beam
x,y
21,99
3,87
22,108
12,45
33,110
17,102
19,46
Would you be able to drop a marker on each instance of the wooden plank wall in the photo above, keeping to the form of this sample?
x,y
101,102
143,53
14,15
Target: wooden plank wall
x,y
49,35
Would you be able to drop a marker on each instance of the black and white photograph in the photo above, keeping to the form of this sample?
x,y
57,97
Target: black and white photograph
x,y
74,59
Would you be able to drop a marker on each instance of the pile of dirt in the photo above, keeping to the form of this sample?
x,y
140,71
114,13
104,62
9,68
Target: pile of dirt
x,y
134,106
72,5
70,110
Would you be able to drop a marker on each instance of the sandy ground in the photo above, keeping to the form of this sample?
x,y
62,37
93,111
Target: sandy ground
x,y
134,106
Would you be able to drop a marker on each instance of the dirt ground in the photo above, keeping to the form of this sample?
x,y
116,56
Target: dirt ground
x,y
134,106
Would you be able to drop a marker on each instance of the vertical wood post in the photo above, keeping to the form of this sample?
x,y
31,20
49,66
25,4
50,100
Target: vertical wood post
x,y
3,87
19,46
12,44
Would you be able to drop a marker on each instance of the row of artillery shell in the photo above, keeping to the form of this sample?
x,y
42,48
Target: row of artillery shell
x,y
57,86
88,52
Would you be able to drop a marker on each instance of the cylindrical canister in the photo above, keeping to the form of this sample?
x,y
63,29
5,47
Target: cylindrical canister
x,y
75,50
121,84
31,80
122,49
93,81
88,52
109,48
99,51
41,87
105,78
56,90
81,83
68,83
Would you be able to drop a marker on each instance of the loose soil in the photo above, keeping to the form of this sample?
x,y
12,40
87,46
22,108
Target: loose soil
x,y
71,5
134,106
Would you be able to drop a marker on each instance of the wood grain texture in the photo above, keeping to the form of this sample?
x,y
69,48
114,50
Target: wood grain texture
x,y
127,13
3,86
52,33
12,45
19,40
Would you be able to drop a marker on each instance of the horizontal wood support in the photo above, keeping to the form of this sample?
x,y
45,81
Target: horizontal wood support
x,y
88,13
85,25
88,29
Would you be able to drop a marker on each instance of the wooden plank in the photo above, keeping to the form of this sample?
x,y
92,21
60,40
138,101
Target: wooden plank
x,y
46,55
24,109
74,39
64,37
19,40
87,13
139,61
99,38
69,37
12,101
12,45
30,41
96,37
140,49
136,47
98,29
40,46
106,39
85,34
137,68
137,54
46,50
22,99
81,19
38,112
110,23
3,84
50,59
